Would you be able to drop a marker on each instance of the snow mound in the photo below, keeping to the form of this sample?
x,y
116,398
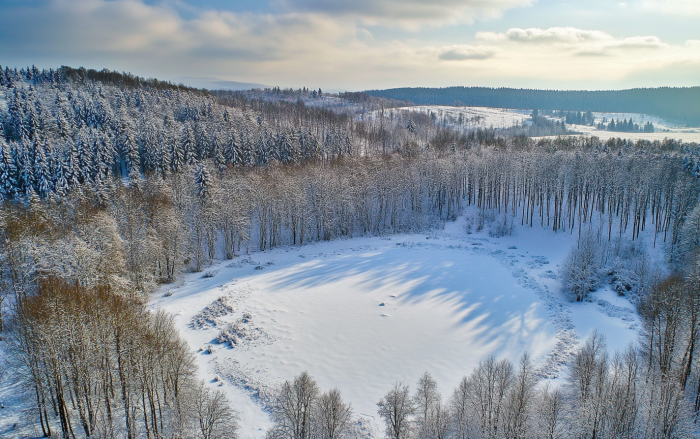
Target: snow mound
x,y
244,334
208,317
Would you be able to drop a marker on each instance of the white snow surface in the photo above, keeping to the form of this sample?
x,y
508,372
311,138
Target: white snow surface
x,y
362,314
487,117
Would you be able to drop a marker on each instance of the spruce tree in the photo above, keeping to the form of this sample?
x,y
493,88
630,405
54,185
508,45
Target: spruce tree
x,y
202,181
7,172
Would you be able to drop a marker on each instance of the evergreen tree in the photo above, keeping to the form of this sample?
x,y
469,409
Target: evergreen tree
x,y
83,156
16,116
60,178
232,149
7,172
202,181
187,145
24,165
202,140
42,184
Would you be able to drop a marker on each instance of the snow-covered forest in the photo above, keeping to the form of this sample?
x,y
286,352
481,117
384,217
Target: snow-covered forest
x,y
113,186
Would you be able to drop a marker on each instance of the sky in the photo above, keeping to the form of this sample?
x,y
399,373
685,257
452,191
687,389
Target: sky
x,y
351,45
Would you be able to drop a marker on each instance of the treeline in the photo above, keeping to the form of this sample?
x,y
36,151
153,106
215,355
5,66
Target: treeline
x,y
678,104
147,231
691,159
58,136
34,76
538,126
576,117
603,396
625,126
99,365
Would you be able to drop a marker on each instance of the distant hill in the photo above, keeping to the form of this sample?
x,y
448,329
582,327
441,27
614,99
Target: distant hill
x,y
678,104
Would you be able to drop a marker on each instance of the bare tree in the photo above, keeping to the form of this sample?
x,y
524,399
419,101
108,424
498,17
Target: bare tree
x,y
518,409
425,400
549,417
396,408
491,383
461,411
293,408
333,416
214,416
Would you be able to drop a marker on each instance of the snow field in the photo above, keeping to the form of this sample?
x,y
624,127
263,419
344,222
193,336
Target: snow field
x,y
486,117
364,313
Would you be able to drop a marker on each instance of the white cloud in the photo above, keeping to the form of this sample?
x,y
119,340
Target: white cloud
x,y
412,14
555,35
682,8
466,52
315,49
577,41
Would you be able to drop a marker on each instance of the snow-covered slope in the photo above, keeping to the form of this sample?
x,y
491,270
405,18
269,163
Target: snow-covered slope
x,y
362,314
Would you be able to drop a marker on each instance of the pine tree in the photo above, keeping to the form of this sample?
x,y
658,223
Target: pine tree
x,y
148,145
32,115
60,179
232,150
217,151
201,142
83,155
127,147
187,145
16,116
42,184
72,161
24,166
202,181
261,153
7,172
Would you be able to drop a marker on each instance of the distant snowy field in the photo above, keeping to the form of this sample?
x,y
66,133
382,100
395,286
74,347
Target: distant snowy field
x,y
364,313
684,134
487,117
476,117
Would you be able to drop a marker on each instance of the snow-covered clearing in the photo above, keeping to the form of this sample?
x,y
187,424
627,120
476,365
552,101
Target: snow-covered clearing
x,y
472,117
487,117
364,313
476,117
684,134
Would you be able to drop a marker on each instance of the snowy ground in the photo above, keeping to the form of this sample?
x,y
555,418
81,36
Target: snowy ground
x,y
364,313
486,117
472,117
684,134
476,117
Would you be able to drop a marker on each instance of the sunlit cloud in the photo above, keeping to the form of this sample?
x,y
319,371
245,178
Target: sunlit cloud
x,y
298,47
672,7
412,14
577,41
466,52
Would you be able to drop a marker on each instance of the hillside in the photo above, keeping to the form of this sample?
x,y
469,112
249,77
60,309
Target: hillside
x,y
680,104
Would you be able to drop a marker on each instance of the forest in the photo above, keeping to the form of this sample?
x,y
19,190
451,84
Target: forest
x,y
676,104
113,185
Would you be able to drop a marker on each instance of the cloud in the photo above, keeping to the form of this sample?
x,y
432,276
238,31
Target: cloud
x,y
683,8
555,35
466,52
296,48
158,36
579,41
411,14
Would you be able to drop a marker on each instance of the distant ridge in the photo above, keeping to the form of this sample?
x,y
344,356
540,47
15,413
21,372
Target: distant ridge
x,y
219,84
678,104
